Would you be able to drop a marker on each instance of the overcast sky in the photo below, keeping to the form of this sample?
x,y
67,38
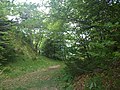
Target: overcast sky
x,y
46,10
43,9
33,1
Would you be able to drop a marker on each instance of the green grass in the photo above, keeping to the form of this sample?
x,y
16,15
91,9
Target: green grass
x,y
41,84
29,74
20,66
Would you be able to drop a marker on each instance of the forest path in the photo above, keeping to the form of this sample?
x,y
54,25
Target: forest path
x,y
42,79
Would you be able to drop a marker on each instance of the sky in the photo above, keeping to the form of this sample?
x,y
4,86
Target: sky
x,y
46,10
42,9
33,1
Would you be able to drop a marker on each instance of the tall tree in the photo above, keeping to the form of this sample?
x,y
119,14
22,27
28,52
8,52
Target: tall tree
x,y
95,30
6,32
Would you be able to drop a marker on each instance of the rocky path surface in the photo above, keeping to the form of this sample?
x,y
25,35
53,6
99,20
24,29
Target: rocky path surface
x,y
44,79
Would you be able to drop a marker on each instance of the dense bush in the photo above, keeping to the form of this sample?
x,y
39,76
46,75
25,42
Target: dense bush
x,y
96,34
6,47
54,47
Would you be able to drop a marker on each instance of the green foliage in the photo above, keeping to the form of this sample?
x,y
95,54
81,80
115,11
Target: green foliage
x,y
92,34
65,80
30,29
6,47
94,83
95,33
83,33
54,46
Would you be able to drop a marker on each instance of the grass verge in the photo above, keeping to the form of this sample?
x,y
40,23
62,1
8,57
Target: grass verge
x,y
22,66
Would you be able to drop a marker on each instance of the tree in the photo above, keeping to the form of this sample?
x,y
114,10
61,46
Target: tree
x,y
30,24
96,43
54,46
6,47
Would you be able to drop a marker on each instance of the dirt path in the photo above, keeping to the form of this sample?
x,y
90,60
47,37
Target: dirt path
x,y
44,79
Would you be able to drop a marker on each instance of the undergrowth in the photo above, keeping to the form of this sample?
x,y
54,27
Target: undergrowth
x,y
25,65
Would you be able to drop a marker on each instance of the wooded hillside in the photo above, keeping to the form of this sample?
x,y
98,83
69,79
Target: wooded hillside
x,y
84,34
